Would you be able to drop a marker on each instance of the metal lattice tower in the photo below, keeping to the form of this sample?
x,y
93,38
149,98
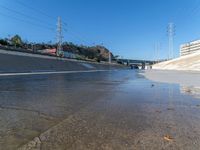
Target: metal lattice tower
x,y
171,34
59,37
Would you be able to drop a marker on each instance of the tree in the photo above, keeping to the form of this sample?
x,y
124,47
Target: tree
x,y
16,40
3,42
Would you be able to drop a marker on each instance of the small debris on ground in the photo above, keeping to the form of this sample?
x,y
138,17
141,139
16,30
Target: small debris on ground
x,y
170,109
168,138
188,91
158,111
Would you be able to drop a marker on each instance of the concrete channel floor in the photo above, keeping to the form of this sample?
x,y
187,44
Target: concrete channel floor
x,y
104,110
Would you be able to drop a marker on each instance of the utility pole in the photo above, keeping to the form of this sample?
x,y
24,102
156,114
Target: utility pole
x,y
32,47
59,37
157,50
110,59
171,33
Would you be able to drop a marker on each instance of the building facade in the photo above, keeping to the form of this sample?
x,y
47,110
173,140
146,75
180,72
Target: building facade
x,y
190,48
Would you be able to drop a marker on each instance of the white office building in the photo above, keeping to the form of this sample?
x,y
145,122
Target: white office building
x,y
190,48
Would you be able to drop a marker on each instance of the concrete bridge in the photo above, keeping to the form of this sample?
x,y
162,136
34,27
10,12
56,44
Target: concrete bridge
x,y
136,64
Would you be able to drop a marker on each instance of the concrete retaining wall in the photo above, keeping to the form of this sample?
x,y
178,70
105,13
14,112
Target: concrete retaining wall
x,y
185,63
23,62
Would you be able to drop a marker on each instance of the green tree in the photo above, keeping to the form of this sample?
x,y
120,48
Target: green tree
x,y
3,42
16,40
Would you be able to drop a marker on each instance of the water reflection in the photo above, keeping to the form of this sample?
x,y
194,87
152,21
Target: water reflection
x,y
190,90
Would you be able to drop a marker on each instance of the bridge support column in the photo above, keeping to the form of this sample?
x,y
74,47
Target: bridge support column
x,y
143,66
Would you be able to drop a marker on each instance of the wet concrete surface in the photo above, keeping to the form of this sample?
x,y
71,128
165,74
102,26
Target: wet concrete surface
x,y
103,110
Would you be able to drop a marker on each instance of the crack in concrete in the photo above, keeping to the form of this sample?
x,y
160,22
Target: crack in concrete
x,y
28,110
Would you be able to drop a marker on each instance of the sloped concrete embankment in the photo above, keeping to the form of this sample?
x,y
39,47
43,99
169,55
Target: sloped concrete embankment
x,y
11,62
186,63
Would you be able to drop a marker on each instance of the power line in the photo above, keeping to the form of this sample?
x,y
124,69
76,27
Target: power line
x,y
36,10
76,36
188,11
195,9
26,21
171,33
39,11
22,14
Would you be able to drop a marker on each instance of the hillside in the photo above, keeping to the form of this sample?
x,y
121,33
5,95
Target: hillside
x,y
93,53
189,62
98,53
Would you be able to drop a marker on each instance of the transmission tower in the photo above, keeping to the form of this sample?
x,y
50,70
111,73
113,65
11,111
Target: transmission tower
x,y
59,37
171,34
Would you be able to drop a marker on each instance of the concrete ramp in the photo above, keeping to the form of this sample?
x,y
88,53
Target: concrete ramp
x,y
190,62
18,62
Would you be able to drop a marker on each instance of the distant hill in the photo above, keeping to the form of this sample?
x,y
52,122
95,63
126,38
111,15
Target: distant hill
x,y
95,53
98,53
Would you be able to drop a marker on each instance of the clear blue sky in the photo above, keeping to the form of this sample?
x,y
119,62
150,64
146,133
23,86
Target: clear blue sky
x,y
129,28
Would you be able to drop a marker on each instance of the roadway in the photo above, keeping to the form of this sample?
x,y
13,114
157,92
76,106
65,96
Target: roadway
x,y
96,110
